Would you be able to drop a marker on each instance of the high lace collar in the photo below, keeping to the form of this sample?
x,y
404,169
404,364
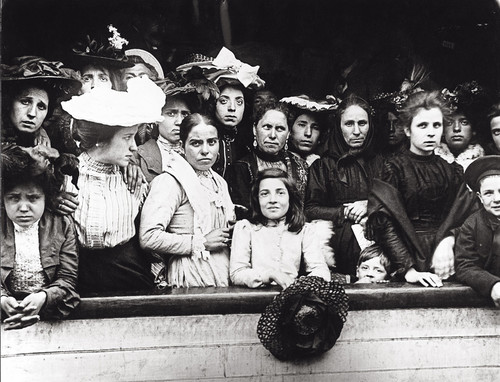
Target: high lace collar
x,y
168,146
100,167
31,229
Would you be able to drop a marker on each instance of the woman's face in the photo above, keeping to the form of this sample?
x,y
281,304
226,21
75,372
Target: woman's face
x,y
274,199
271,132
202,146
458,132
495,131
29,109
230,106
305,133
174,111
95,77
138,70
355,126
24,204
425,131
120,150
396,132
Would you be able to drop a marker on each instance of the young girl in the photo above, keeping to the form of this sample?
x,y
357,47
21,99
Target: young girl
x,y
420,199
38,248
373,265
271,245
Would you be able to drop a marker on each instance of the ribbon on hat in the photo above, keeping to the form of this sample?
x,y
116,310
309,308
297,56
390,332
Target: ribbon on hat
x,y
33,66
245,73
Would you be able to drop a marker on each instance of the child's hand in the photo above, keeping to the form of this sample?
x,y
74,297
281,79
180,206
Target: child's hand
x,y
280,278
33,303
10,305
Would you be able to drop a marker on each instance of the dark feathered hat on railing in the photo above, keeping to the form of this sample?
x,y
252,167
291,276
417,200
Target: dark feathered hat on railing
x,y
304,319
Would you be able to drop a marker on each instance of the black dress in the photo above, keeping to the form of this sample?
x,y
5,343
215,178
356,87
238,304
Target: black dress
x,y
427,191
341,176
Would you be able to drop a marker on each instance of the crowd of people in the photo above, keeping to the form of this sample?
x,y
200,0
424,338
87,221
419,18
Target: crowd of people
x,y
118,177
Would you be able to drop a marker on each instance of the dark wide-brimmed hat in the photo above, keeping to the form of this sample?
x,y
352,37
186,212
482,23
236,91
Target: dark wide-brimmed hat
x,y
304,319
54,74
481,168
109,54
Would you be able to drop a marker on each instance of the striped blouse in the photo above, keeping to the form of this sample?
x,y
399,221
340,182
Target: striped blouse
x,y
107,210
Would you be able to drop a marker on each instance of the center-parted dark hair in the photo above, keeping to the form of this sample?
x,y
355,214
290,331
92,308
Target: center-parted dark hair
x,y
295,216
493,112
12,89
354,100
259,113
191,121
423,100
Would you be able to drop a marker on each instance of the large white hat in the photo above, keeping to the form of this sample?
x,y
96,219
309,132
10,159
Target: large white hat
x,y
141,103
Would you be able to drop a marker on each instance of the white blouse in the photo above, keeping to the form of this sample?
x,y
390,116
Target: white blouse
x,y
258,249
107,209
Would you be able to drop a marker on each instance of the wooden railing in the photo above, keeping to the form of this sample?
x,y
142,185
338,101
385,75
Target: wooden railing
x,y
233,300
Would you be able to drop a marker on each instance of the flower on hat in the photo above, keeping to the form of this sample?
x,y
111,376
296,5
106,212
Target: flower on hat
x,y
141,103
117,41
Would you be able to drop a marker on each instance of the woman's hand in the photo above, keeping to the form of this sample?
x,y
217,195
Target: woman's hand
x,y
67,203
280,278
443,259
424,278
495,294
356,211
133,177
218,238
42,138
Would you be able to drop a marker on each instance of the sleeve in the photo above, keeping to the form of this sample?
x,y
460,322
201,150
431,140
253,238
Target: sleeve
x,y
240,262
314,259
239,182
62,297
387,236
469,264
164,199
389,174
316,206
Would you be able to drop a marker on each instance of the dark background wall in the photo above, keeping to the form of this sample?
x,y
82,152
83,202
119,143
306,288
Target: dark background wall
x,y
301,46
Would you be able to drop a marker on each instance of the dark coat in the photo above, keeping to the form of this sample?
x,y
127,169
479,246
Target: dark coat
x,y
149,160
59,258
477,259
401,243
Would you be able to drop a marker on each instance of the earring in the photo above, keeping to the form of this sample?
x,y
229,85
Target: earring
x,y
254,142
286,145
97,145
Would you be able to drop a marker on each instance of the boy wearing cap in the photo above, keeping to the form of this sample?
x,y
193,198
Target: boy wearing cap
x,y
477,250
